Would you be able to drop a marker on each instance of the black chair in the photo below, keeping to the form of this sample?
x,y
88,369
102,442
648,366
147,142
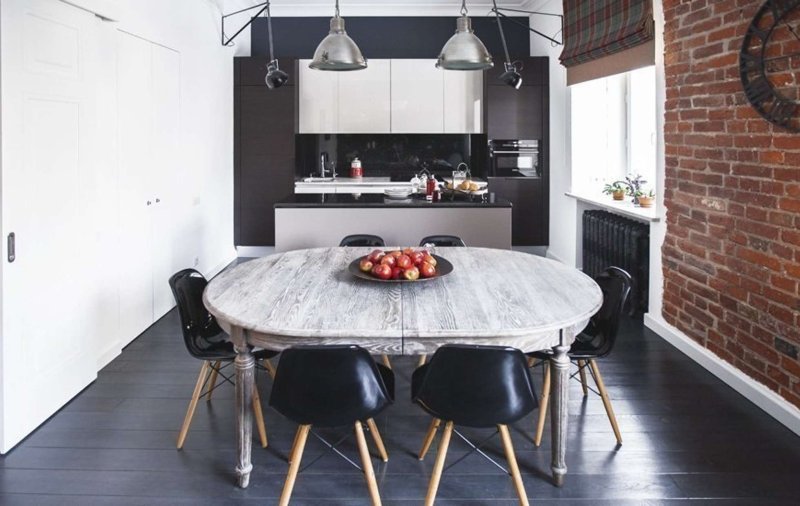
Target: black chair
x,y
596,341
365,240
473,386
206,341
331,386
442,241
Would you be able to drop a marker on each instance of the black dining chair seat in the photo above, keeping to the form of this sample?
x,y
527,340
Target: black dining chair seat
x,y
596,341
442,241
474,386
364,240
206,341
331,386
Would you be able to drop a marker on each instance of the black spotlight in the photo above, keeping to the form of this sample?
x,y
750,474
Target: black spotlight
x,y
511,76
275,76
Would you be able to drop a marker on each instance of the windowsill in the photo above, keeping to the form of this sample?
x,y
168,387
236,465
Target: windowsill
x,y
624,207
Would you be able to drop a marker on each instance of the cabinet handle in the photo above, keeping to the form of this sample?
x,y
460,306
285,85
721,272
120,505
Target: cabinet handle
x,y
12,247
149,203
158,200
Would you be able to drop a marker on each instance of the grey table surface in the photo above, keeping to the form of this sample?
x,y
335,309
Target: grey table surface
x,y
492,296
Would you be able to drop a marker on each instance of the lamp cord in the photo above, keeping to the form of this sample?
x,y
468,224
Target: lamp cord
x,y
269,28
500,28
463,7
337,8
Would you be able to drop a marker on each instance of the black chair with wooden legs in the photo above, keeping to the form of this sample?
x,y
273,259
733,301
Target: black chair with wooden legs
x,y
595,342
206,341
449,388
442,241
363,240
332,386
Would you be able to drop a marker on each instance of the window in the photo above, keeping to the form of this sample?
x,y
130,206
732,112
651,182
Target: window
x,y
613,123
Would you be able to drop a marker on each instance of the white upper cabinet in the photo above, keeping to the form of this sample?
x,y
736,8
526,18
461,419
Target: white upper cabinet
x,y
417,96
463,101
319,100
400,96
364,99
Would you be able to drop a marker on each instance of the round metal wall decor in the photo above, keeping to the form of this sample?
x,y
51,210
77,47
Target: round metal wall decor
x,y
769,63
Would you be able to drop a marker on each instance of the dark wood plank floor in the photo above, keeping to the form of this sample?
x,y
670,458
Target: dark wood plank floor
x,y
686,436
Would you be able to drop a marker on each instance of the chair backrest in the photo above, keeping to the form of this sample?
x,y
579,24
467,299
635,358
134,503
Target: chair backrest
x,y
362,240
329,386
443,241
604,325
477,386
197,324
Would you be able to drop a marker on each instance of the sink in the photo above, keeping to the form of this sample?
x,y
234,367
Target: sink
x,y
318,179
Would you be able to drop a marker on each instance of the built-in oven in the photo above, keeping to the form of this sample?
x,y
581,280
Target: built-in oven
x,y
514,158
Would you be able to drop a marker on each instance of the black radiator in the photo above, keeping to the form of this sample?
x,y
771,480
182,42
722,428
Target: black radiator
x,y
610,239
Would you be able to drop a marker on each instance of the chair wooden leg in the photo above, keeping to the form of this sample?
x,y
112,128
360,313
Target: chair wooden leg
x,y
295,456
366,461
269,367
376,437
606,399
386,361
438,466
198,388
212,381
582,371
426,444
512,464
543,402
531,361
259,415
422,360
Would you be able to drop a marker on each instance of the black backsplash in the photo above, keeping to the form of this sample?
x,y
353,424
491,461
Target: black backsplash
x,y
398,156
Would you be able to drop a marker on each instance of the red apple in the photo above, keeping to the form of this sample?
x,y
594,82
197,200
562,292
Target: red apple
x,y
389,260
408,251
376,256
397,273
404,261
417,257
427,270
395,253
382,271
428,258
365,265
411,274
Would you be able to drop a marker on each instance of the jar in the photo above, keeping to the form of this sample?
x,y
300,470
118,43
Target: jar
x,y
355,168
430,185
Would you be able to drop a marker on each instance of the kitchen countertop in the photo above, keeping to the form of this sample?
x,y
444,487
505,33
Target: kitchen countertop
x,y
334,200
346,181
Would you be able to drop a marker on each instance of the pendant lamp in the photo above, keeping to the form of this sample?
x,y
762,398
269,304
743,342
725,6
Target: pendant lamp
x,y
464,50
337,51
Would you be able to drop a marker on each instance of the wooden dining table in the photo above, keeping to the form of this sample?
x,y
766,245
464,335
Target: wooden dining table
x,y
492,297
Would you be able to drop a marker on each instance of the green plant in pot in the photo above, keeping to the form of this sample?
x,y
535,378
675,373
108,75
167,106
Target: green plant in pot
x,y
635,186
645,199
615,189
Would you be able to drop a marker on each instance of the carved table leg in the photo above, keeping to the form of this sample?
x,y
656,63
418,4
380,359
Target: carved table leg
x,y
245,366
559,378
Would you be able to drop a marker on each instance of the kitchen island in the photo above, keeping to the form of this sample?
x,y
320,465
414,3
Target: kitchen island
x,y
311,221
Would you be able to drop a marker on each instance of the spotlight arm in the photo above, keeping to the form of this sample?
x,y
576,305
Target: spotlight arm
x,y
497,12
264,6
502,33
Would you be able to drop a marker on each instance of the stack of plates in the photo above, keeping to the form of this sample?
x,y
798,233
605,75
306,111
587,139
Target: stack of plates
x,y
397,193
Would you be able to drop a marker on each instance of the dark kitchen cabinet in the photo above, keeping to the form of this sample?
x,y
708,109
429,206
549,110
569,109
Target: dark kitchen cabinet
x,y
529,213
522,114
264,150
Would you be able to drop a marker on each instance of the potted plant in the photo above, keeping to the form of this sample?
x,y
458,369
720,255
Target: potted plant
x,y
646,199
615,189
635,186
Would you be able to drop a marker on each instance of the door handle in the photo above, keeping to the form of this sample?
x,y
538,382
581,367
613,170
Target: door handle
x,y
12,247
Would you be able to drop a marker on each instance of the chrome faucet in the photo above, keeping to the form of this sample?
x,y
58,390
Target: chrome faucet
x,y
323,160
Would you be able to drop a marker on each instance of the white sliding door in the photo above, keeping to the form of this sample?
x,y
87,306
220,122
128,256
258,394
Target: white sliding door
x,y
49,70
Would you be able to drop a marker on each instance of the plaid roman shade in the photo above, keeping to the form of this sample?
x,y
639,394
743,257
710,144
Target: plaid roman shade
x,y
597,29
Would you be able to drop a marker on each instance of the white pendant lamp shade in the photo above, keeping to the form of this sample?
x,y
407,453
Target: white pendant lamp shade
x,y
337,51
464,50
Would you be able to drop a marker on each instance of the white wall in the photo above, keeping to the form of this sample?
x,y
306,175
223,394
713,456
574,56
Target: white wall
x,y
204,149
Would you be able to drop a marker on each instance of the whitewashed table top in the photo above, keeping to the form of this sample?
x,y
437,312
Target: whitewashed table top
x,y
492,297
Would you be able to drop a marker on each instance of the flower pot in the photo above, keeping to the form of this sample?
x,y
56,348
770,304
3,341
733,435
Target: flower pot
x,y
620,195
646,201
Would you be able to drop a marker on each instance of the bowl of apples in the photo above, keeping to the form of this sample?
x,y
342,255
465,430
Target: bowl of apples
x,y
400,266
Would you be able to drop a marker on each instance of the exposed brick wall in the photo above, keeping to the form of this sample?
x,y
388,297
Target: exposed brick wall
x,y
732,249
